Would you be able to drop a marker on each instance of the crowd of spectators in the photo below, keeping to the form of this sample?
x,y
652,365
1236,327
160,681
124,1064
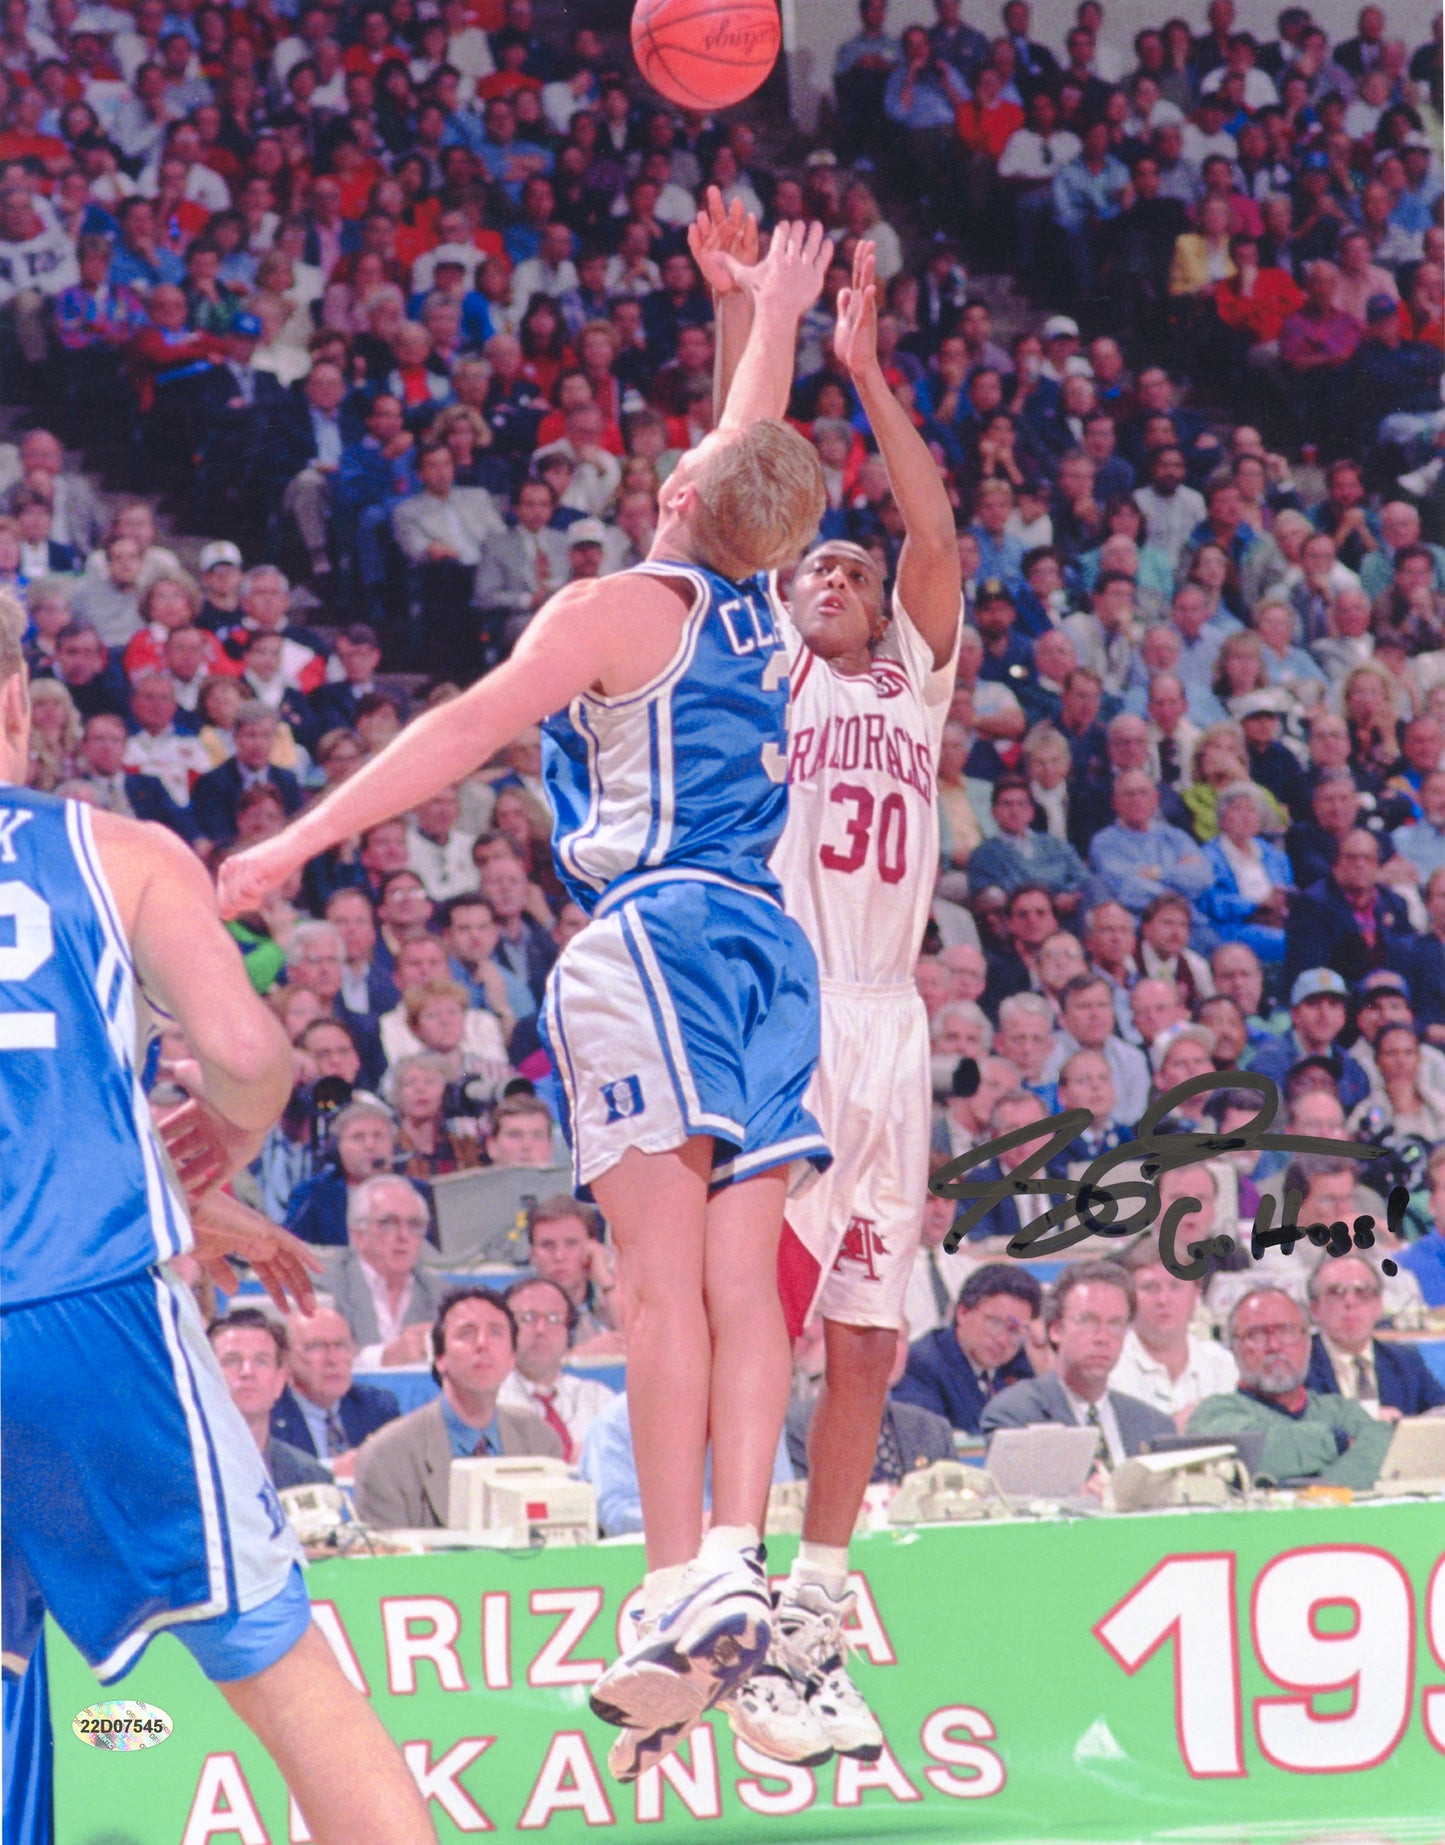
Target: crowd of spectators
x,y
391,307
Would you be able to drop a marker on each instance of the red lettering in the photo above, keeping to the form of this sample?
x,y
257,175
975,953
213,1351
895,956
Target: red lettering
x,y
852,745
798,753
872,738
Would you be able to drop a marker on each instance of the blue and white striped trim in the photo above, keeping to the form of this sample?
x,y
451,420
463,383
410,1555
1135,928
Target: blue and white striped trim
x,y
687,646
208,1487
669,1033
638,881
566,1071
116,987
781,1152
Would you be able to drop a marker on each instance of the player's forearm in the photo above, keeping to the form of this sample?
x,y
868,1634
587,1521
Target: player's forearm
x,y
734,317
763,380
439,749
913,476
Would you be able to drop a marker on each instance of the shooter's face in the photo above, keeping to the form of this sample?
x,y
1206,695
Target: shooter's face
x,y
837,600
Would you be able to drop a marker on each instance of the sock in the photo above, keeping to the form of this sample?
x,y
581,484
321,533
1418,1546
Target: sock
x,y
823,1564
729,1537
659,1587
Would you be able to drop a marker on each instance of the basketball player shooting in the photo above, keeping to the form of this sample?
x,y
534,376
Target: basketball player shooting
x,y
683,1020
857,862
171,1524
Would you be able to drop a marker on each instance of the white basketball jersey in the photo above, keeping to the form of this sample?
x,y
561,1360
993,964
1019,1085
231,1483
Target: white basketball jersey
x,y
859,854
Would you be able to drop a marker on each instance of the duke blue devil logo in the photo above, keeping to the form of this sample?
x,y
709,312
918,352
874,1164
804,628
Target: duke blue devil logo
x,y
623,1098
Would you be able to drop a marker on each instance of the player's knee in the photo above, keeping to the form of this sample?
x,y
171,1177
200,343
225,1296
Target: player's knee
x,y
860,1357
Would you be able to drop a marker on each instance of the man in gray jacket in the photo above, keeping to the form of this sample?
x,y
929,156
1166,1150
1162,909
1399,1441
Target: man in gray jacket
x,y
374,1283
1086,1315
403,1471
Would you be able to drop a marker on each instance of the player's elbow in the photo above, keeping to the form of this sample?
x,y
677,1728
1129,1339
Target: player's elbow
x,y
252,1058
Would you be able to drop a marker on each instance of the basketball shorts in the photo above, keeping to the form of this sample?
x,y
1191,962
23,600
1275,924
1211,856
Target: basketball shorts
x,y
134,1496
849,1242
688,1008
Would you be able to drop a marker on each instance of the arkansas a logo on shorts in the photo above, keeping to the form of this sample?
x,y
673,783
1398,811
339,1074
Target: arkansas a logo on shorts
x,y
623,1098
861,1247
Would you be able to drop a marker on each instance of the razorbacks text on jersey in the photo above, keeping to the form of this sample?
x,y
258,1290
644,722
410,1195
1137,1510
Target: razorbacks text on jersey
x,y
70,1069
688,772
860,850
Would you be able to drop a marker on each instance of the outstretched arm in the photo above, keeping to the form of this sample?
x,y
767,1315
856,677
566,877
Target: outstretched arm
x,y
757,306
576,641
930,585
715,232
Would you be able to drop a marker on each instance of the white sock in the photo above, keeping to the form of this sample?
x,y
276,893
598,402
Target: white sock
x,y
659,1587
823,1564
729,1538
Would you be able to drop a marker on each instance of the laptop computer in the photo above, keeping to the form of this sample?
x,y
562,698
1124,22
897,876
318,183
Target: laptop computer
x,y
480,1214
1048,1461
1414,1463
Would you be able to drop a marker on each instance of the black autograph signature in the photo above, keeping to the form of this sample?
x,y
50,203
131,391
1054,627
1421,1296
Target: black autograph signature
x,y
1096,1205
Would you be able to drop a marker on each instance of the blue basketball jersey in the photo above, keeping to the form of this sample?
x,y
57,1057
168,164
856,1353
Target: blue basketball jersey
x,y
85,1194
688,774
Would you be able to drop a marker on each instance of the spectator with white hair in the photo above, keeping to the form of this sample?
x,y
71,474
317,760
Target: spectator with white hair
x,y
375,1283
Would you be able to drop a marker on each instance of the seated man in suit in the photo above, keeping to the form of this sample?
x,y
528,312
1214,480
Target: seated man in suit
x,y
363,1141
375,1284
403,1472
334,702
955,1371
1388,1381
252,1349
323,1410
1015,1109
214,797
1350,921
522,566
1086,1315
909,1436
1308,1435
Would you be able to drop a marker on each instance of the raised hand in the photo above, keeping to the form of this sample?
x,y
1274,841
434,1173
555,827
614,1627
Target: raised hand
x,y
716,232
789,279
282,1263
855,337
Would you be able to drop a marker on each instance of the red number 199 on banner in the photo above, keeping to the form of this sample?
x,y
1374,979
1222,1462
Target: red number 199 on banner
x,y
1191,1602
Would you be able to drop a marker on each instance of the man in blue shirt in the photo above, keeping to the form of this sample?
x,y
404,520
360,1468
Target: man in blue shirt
x,y
922,96
1141,857
1088,191
403,1471
1317,1013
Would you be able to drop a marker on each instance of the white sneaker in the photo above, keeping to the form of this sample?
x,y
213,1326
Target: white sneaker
x,y
635,1751
772,1714
703,1645
809,1644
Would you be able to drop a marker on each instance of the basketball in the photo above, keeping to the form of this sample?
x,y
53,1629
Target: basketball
x,y
705,54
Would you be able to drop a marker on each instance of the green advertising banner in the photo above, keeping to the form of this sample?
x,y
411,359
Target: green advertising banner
x,y
1268,1673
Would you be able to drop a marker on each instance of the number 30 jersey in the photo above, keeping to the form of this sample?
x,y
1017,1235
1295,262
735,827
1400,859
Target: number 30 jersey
x,y
859,855
685,777
86,1196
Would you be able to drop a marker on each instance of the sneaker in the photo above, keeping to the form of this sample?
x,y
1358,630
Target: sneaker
x,y
635,1751
772,1714
809,1644
702,1647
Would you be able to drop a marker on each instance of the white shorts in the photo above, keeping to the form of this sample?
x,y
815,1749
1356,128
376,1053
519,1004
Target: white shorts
x,y
850,1240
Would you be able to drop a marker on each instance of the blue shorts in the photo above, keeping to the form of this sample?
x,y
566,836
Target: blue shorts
x,y
686,1008
134,1498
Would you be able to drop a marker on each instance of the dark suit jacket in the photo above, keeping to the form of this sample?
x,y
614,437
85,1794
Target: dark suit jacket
x,y
940,1378
1042,1399
362,1411
1321,932
214,798
334,706
923,1437
290,1466
150,800
1406,1382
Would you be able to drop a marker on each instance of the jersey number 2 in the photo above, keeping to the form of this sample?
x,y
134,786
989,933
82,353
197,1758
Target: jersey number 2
x,y
892,833
34,943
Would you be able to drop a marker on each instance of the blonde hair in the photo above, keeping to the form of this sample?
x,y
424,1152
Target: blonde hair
x,y
416,999
760,498
49,767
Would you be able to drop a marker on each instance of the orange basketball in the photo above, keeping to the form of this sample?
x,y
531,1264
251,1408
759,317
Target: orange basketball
x,y
705,54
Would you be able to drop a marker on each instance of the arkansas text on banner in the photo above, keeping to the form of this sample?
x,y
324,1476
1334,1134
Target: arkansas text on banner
x,y
1107,1678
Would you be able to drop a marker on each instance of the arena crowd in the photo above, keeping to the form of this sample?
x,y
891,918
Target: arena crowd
x,y
389,309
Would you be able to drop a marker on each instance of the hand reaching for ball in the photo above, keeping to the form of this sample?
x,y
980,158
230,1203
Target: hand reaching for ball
x,y
718,231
